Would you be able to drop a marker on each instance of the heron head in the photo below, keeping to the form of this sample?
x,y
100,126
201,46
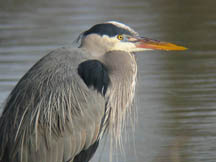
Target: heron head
x,y
112,35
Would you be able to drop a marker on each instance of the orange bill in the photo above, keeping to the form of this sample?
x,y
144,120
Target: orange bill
x,y
147,43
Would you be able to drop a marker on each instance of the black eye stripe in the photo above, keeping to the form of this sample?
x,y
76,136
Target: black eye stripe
x,y
107,29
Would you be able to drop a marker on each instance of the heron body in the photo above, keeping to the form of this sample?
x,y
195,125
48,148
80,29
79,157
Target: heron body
x,y
61,108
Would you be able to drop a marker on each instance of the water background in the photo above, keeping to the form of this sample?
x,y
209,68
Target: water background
x,y
176,92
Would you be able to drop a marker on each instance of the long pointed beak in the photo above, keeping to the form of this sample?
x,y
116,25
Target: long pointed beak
x,y
146,43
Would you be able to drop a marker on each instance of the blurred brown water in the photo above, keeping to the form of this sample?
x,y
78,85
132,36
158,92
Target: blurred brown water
x,y
176,91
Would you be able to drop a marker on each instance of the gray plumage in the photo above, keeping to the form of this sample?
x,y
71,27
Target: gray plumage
x,y
61,108
43,111
53,104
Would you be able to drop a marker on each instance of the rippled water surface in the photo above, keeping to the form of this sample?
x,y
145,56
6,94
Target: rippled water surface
x,y
176,92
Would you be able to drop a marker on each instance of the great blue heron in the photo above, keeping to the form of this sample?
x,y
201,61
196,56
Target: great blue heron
x,y
60,109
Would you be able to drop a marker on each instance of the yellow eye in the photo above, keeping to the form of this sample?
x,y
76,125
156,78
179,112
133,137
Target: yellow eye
x,y
120,37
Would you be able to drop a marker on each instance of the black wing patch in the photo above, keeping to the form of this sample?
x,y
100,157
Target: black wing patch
x,y
95,74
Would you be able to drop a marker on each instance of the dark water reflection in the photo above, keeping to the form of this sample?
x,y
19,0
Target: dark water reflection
x,y
176,91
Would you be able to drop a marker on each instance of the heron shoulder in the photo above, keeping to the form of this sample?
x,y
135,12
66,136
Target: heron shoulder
x,y
73,62
95,75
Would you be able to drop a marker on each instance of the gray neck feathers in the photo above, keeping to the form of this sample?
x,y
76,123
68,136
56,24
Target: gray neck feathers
x,y
122,69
